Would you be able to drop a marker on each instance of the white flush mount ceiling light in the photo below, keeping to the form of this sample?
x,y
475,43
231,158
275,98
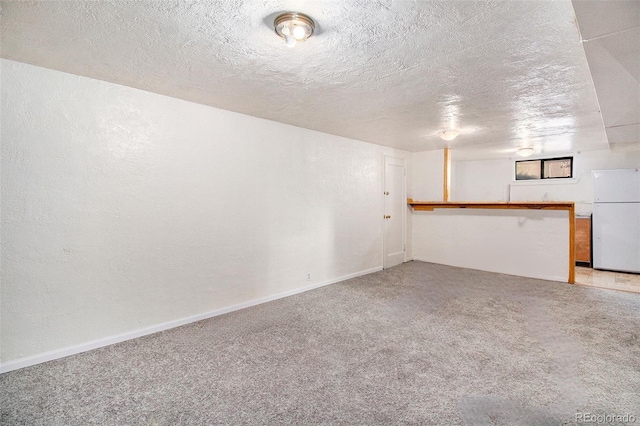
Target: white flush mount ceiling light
x,y
525,152
448,135
294,27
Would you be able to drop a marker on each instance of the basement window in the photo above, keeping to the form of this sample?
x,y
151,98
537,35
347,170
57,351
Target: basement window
x,y
549,168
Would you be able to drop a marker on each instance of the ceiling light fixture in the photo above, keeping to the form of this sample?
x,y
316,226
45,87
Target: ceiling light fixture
x,y
294,27
525,152
448,135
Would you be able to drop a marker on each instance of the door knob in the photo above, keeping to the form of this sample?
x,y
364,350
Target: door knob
x,y
386,193
387,217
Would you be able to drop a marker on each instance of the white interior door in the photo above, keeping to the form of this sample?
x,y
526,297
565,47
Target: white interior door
x,y
394,211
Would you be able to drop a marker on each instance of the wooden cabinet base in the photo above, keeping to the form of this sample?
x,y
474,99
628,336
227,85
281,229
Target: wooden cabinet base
x,y
583,241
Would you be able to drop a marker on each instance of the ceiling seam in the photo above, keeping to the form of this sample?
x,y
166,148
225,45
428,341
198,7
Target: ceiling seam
x,y
609,34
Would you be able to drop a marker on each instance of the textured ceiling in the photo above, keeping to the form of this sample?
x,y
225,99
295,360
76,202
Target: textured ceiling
x,y
505,73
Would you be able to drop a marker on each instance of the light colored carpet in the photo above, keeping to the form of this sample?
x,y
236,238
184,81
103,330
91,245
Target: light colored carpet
x,y
417,344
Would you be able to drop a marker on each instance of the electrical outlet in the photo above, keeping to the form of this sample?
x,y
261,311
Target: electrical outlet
x,y
308,277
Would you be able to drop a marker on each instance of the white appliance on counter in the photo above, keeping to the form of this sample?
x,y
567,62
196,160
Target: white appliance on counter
x,y
616,220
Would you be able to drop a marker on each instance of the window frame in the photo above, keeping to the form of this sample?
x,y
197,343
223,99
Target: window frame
x,y
542,174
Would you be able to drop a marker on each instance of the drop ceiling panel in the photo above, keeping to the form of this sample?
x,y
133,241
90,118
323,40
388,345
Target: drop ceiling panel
x,y
611,33
601,17
615,67
506,74
625,134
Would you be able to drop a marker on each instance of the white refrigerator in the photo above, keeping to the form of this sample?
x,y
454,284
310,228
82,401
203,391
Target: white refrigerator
x,y
616,220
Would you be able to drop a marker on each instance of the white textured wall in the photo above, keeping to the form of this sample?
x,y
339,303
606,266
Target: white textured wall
x,y
123,209
485,180
427,169
493,180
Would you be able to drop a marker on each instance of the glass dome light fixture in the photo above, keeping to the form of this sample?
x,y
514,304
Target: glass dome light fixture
x,y
448,135
525,152
294,27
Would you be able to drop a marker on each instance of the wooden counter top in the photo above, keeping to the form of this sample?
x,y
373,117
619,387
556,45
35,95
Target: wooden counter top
x,y
519,205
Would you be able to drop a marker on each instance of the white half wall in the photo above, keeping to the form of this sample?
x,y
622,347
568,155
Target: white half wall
x,y
528,243
123,210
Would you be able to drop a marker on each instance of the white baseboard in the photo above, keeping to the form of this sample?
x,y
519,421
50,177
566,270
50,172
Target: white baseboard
x,y
106,341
